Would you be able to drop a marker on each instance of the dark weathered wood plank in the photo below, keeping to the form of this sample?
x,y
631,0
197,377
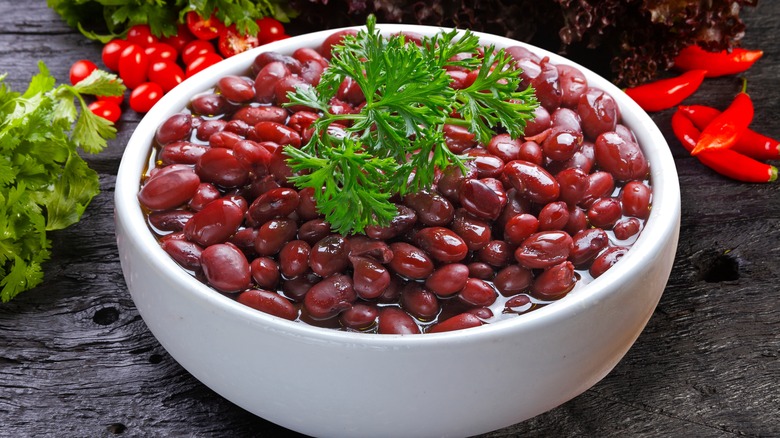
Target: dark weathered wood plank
x,y
77,360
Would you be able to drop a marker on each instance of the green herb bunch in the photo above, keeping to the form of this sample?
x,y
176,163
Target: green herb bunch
x,y
44,184
395,143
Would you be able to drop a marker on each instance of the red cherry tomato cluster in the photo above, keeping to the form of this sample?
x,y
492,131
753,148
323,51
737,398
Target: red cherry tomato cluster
x,y
150,66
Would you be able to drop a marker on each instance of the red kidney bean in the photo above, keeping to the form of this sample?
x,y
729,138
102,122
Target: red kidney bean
x,y
600,185
236,88
313,231
221,167
555,282
266,58
544,249
306,54
519,52
169,220
377,250
432,209
395,321
481,312
360,316
273,204
457,322
515,205
606,260
546,85
513,280
225,267
564,119
252,115
458,138
224,139
400,224
539,124
481,270
573,85
479,199
296,288
210,105
268,302
519,304
307,205
349,91
181,152
279,168
578,220
238,127
487,164
175,128
532,181
475,232
520,227
273,234
604,212
169,189
311,72
495,253
477,293
287,85
187,254
419,302
302,120
573,183
599,112
410,261
451,179
252,157
554,216
215,223
625,133
267,79
586,245
265,272
294,258
448,279
330,297
205,194
442,244
561,144
330,255
505,147
369,277
624,160
627,228
207,128
635,199
277,133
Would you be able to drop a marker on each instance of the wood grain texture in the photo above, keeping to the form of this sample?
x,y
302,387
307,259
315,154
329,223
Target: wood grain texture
x,y
77,360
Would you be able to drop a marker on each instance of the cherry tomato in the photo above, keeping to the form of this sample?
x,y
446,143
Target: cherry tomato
x,y
204,28
80,70
166,74
106,109
113,99
141,34
133,64
182,37
202,62
143,98
195,49
231,42
111,52
161,52
270,30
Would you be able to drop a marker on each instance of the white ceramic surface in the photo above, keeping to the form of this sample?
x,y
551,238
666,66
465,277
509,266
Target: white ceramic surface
x,y
328,383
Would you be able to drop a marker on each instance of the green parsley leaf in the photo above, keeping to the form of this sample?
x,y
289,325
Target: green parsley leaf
x,y
395,143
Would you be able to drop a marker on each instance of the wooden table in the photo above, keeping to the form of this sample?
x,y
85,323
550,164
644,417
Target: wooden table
x,y
77,360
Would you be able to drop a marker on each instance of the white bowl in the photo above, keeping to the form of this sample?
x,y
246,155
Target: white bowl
x,y
332,383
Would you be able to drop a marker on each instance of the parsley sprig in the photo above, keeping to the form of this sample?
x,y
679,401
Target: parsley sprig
x,y
396,142
45,185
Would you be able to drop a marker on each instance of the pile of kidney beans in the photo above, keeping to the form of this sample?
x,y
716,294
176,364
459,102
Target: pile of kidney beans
x,y
534,218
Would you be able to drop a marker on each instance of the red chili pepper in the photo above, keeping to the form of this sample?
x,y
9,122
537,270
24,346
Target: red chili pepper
x,y
750,142
724,130
666,93
726,162
725,62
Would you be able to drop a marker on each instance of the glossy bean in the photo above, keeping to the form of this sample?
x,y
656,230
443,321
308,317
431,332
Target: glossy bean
x,y
410,261
442,244
635,199
599,112
225,267
512,280
586,245
330,297
330,255
394,320
215,223
623,159
369,277
265,272
554,282
205,194
170,189
187,254
475,232
275,203
554,216
532,181
236,88
478,293
458,322
268,302
626,228
448,279
267,78
604,213
419,302
496,253
361,316
544,249
520,227
170,220
294,258
273,234
220,166
432,209
252,115
606,260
